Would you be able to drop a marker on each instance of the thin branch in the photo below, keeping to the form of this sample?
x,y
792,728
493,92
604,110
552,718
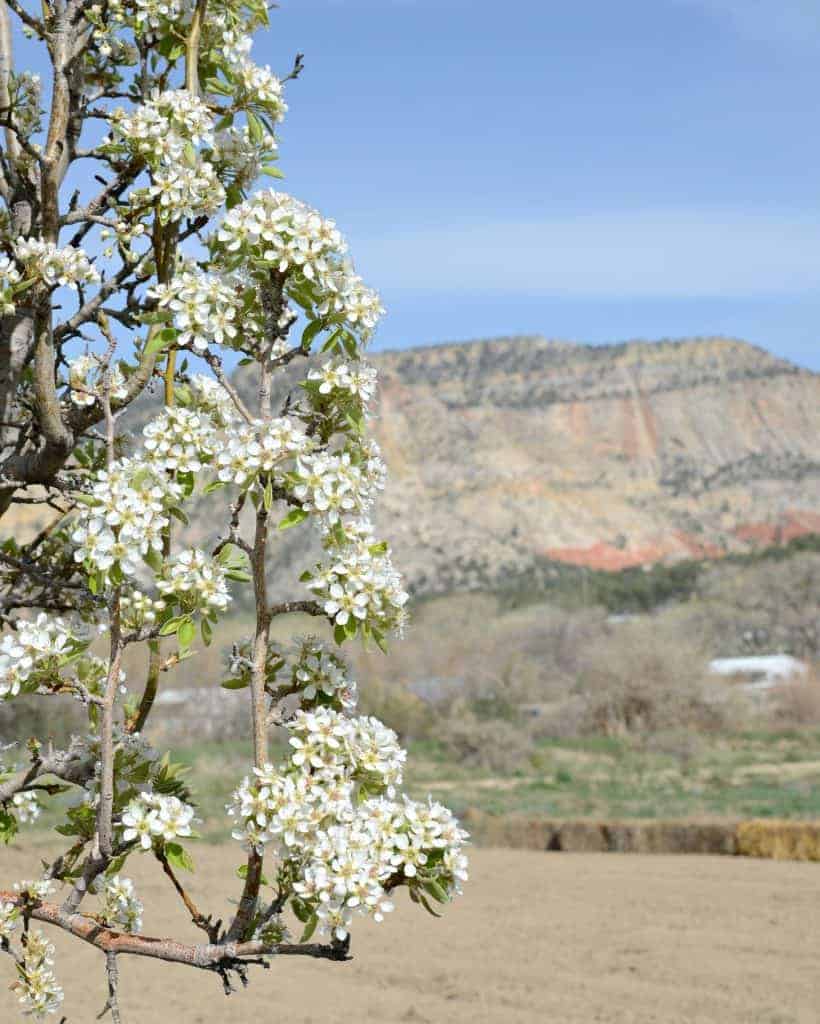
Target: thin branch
x,y
111,1003
207,924
215,363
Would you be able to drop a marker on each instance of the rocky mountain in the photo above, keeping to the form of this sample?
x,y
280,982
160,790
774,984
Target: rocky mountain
x,y
509,455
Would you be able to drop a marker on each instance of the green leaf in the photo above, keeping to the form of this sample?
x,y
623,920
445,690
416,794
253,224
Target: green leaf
x,y
238,575
233,196
86,499
207,632
178,857
177,513
436,890
272,172
8,826
218,86
339,634
310,928
313,328
293,518
158,341
214,485
172,625
303,911
235,684
157,316
186,631
267,497
256,129
153,559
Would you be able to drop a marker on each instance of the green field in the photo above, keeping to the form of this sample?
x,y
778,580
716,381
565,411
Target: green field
x,y
752,774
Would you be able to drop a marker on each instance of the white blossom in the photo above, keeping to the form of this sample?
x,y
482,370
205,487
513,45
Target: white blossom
x,y
273,230
36,986
86,380
152,815
180,440
206,307
196,581
355,379
36,649
361,584
160,128
66,267
26,806
9,279
10,915
121,907
259,447
131,512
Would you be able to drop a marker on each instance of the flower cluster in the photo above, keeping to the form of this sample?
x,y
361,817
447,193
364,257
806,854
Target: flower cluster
x,y
67,267
121,907
33,654
163,132
352,867
242,156
26,806
272,230
138,609
330,813
329,741
253,85
361,585
354,379
334,485
86,382
150,14
9,279
320,677
260,447
160,129
206,308
183,191
36,985
10,915
126,522
195,581
178,440
154,815
211,398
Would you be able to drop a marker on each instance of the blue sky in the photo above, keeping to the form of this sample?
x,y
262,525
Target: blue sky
x,y
592,170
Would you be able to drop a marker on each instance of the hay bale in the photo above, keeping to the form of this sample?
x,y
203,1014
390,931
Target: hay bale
x,y
779,840
624,836
511,831
582,837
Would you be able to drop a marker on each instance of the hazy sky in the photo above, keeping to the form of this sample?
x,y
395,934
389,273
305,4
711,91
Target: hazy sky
x,y
593,170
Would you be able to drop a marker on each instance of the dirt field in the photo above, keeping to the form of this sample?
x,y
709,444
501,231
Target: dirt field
x,y
538,937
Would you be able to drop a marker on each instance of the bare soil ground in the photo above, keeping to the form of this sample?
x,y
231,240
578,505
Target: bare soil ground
x,y
537,937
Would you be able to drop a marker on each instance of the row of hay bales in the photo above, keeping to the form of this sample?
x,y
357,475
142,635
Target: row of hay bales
x,y
774,839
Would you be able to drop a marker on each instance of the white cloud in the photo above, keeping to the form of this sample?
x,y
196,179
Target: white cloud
x,y
649,253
